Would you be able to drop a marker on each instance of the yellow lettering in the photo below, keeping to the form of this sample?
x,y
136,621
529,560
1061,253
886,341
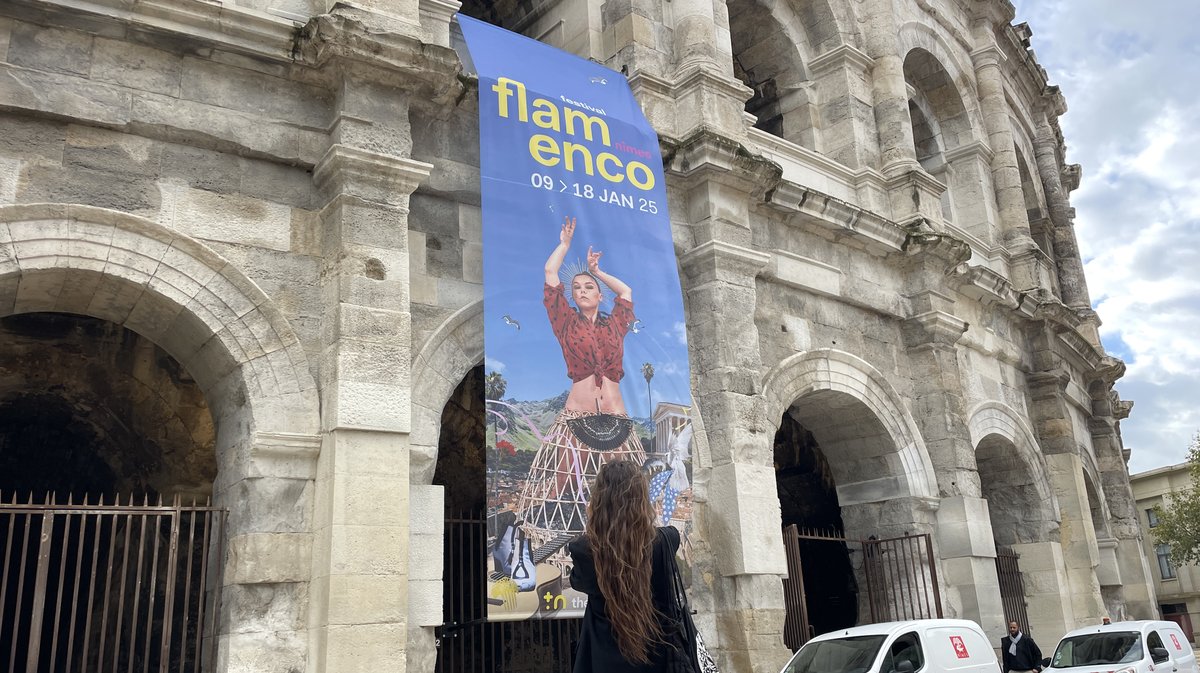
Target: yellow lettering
x,y
647,182
606,158
546,114
503,93
569,152
542,143
571,114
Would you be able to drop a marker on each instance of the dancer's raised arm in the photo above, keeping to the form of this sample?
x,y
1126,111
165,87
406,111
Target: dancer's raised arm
x,y
556,258
623,291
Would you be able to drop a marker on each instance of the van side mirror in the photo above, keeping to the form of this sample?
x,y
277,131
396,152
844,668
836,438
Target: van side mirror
x,y
1159,654
1046,662
904,666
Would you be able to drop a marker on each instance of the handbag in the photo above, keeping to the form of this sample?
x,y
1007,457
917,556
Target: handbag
x,y
603,432
686,652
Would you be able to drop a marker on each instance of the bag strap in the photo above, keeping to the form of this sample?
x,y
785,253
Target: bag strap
x,y
683,610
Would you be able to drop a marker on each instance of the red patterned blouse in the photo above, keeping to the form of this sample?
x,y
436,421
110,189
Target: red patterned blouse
x,y
589,350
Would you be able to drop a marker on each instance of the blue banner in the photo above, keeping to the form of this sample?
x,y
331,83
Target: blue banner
x,y
586,351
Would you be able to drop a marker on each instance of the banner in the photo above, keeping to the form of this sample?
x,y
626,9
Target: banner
x,y
586,351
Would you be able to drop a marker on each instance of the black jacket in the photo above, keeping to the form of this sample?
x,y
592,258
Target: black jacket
x,y
597,647
1027,658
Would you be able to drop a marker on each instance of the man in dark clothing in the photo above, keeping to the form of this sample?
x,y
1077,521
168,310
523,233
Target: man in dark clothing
x,y
1021,654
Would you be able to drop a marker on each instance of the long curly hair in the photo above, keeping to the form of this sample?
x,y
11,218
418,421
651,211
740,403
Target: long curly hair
x,y
621,533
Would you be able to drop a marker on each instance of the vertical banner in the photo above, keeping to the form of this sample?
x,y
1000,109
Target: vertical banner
x,y
586,352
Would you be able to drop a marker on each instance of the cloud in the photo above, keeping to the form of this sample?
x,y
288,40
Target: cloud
x,y
681,333
1128,71
493,365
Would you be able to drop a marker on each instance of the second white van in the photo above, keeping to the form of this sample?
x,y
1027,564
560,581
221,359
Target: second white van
x,y
1125,647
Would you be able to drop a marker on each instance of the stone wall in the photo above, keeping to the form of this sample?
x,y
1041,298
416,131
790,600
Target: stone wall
x,y
284,198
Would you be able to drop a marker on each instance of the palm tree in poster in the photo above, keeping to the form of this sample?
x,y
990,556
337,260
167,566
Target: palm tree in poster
x,y
648,373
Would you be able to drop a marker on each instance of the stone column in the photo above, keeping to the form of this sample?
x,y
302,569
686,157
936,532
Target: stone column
x,y
360,567
1071,281
1129,580
1080,552
744,528
1044,572
359,607
897,150
1029,266
965,542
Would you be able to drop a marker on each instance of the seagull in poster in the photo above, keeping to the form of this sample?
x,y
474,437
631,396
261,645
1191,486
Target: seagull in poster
x,y
509,320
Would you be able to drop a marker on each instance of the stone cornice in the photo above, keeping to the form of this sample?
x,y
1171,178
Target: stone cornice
x,y
706,155
842,55
936,327
983,284
284,455
873,231
743,260
975,148
350,170
224,26
388,58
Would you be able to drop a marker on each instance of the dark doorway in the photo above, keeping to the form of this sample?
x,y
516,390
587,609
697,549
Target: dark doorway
x,y
467,642
808,500
106,533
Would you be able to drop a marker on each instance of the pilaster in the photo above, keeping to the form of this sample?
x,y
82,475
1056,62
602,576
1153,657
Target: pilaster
x,y
1081,554
359,609
719,273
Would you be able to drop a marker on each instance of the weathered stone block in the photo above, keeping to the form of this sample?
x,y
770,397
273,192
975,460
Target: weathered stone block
x,y
262,558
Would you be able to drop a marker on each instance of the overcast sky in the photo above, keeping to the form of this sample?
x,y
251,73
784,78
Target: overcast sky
x,y
1129,70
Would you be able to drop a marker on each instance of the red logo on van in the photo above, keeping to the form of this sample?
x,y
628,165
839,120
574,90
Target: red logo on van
x,y
960,648
1176,641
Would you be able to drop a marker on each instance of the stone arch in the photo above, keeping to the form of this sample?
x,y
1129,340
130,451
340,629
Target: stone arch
x,y
446,357
1011,467
913,36
773,42
239,348
1097,504
172,290
830,374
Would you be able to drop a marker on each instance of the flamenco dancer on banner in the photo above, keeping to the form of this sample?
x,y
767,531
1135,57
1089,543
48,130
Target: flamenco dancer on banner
x,y
593,427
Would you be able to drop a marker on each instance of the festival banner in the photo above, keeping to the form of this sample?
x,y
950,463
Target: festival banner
x,y
586,352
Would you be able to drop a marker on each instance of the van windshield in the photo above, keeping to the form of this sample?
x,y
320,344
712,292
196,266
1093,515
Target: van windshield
x,y
842,655
1118,647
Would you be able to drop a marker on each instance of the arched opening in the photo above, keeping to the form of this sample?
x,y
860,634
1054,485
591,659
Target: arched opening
x,y
90,411
473,643
808,499
939,118
770,54
167,291
1016,506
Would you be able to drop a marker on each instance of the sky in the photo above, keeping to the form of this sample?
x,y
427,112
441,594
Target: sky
x,y
1130,72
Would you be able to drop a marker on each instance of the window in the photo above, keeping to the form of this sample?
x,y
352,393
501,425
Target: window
x,y
1165,569
905,655
1152,517
1158,653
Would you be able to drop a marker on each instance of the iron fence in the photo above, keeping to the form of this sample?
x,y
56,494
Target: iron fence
x,y
1012,587
118,587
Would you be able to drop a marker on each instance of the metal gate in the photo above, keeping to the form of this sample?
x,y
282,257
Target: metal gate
x,y
1012,587
467,642
97,587
900,576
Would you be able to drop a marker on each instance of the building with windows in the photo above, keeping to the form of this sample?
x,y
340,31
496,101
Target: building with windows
x,y
1177,587
240,260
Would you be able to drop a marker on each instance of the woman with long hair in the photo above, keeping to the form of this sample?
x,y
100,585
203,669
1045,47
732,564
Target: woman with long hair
x,y
592,427
628,585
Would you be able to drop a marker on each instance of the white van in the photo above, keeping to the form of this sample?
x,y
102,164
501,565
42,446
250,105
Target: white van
x,y
1125,647
916,646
